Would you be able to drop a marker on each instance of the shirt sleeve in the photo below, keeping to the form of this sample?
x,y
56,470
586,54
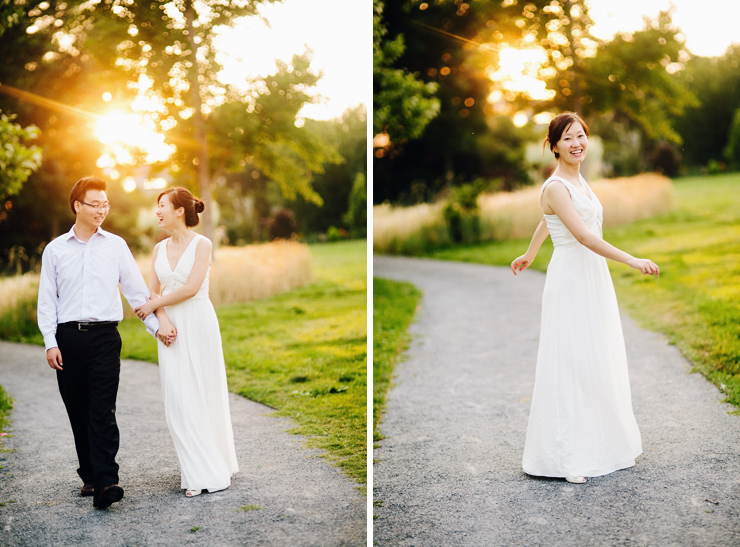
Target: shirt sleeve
x,y
46,308
133,286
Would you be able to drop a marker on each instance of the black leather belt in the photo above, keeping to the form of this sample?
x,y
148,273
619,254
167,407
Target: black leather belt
x,y
89,325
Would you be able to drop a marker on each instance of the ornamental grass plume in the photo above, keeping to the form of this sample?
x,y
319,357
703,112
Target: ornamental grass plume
x,y
251,272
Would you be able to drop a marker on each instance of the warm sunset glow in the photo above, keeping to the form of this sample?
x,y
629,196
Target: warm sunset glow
x,y
518,72
126,134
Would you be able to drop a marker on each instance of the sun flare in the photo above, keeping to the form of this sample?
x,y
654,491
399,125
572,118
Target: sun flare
x,y
125,135
519,72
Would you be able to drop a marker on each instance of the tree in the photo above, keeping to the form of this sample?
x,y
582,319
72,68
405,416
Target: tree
x,y
705,126
348,135
403,105
17,161
456,46
356,215
166,52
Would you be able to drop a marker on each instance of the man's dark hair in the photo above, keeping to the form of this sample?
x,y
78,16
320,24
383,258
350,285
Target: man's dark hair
x,y
80,189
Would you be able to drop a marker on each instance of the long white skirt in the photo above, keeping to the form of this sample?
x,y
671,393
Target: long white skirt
x,y
581,420
196,397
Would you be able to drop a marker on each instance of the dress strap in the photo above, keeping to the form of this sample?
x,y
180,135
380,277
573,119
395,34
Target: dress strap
x,y
568,186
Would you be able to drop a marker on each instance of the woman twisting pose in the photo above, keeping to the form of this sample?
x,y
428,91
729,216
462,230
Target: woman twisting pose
x,y
581,422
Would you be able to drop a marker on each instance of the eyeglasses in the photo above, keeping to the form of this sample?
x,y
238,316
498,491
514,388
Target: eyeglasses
x,y
103,207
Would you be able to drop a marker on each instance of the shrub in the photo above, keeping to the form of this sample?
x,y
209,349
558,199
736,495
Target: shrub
x,y
356,216
283,225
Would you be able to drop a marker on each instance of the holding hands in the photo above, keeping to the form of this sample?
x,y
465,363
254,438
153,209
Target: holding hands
x,y
144,310
167,332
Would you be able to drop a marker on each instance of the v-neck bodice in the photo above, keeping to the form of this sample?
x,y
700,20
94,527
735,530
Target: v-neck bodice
x,y
589,209
170,279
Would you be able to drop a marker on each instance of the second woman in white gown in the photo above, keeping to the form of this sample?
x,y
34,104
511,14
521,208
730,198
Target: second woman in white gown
x,y
581,422
192,366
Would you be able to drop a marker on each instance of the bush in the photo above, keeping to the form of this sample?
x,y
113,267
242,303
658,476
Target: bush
x,y
732,150
283,225
665,159
334,234
356,216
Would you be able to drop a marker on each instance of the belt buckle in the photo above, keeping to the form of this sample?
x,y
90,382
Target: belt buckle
x,y
81,327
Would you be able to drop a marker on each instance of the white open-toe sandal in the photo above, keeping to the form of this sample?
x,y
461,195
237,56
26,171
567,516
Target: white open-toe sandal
x,y
576,480
193,493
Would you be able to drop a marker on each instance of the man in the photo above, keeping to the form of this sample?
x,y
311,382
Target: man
x,y
79,308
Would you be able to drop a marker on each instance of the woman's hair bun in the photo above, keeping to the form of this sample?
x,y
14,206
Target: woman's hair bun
x,y
199,206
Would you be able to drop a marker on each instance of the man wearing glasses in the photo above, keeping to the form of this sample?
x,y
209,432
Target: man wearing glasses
x,y
79,308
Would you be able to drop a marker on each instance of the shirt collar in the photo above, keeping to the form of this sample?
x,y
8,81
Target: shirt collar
x,y
100,231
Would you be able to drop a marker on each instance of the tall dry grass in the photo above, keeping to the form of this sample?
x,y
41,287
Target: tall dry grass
x,y
17,290
241,274
513,215
409,230
18,296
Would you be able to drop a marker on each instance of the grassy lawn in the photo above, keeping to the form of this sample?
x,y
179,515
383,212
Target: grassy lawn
x,y
6,404
394,305
696,300
303,352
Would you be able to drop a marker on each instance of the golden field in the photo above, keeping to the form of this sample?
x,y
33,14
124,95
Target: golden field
x,y
238,274
513,215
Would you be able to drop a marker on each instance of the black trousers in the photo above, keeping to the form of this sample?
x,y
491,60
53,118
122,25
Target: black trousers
x,y
88,383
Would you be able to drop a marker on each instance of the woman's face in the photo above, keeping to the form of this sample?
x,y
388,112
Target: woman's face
x,y
572,144
167,215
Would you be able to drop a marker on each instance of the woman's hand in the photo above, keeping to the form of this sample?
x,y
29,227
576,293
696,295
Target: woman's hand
x,y
145,310
166,333
647,267
521,263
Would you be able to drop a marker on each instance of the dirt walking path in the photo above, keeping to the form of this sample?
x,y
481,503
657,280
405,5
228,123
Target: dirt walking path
x,y
293,497
449,472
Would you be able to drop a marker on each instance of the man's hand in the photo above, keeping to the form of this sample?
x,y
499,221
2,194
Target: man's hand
x,y
145,310
54,358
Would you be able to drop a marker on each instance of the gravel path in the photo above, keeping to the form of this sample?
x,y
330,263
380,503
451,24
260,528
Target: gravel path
x,y
304,501
449,472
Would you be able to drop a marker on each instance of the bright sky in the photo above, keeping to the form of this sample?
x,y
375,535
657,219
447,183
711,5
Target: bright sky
x,y
708,25
339,32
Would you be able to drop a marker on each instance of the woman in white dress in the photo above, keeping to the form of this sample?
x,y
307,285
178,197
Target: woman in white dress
x,y
191,364
581,422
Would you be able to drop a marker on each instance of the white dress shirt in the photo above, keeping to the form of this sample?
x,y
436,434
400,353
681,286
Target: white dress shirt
x,y
79,282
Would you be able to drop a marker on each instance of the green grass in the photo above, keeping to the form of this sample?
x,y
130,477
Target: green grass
x,y
394,306
6,405
696,300
303,353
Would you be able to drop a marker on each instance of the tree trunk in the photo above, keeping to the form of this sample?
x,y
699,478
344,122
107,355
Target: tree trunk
x,y
199,130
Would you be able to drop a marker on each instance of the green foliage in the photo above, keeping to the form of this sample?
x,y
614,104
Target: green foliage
x,y
461,212
333,234
705,128
348,135
403,104
17,160
251,507
394,307
356,216
628,78
6,405
732,150
260,134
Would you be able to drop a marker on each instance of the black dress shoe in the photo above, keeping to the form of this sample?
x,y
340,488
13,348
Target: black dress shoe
x,y
88,489
108,496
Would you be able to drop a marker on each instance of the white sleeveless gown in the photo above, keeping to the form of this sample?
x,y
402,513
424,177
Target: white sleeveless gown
x,y
581,421
193,374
